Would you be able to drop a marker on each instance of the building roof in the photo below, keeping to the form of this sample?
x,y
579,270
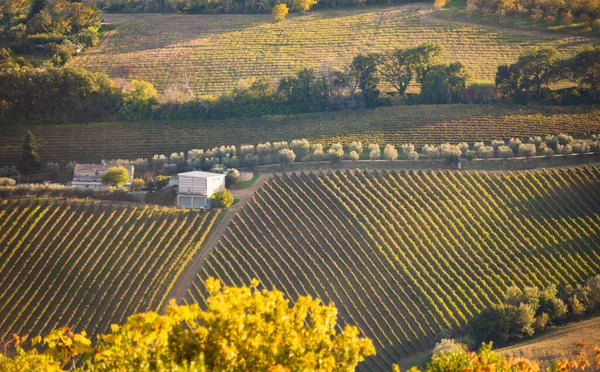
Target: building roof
x,y
199,174
93,172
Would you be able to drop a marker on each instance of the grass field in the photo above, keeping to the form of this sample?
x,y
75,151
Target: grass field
x,y
560,342
407,255
217,51
89,265
397,125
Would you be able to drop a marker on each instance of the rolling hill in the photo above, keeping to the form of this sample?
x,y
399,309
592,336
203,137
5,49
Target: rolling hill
x,y
215,52
89,264
407,256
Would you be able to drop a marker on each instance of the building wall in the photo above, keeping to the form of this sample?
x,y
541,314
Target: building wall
x,y
192,185
215,184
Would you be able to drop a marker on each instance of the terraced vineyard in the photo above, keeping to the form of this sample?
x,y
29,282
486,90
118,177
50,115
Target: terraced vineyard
x,y
397,125
406,255
89,265
215,52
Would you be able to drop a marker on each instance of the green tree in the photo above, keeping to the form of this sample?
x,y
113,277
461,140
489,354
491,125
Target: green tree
x,y
223,199
139,99
115,176
538,69
30,160
586,70
305,92
363,69
137,184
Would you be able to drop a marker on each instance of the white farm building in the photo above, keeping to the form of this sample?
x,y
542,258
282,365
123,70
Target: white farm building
x,y
195,188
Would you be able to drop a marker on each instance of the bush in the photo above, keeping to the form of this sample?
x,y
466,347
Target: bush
x,y
527,150
464,147
485,152
169,169
580,148
407,148
115,176
280,12
137,184
4,181
300,147
497,143
231,175
356,146
317,152
431,151
390,152
504,152
503,323
447,345
286,156
514,144
336,152
450,152
374,151
413,155
224,198
354,156
481,92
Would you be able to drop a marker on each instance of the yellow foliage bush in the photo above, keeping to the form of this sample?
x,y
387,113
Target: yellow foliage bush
x,y
280,11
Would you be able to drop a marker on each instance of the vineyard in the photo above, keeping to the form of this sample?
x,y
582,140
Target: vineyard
x,y
407,255
432,124
89,265
215,52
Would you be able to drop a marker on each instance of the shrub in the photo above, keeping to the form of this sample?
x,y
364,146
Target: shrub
x,y
282,145
514,144
300,147
413,155
431,151
231,175
158,161
223,199
336,152
303,5
447,345
317,152
481,92
450,152
280,12
286,156
137,184
354,156
580,148
177,158
217,168
504,152
4,181
564,139
478,145
245,150
390,152
115,176
374,151
485,152
263,149
8,171
527,150
169,169
356,146
407,148
464,147
547,151
497,143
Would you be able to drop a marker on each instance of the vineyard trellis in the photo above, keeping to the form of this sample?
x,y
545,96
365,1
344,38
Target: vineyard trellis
x,y
89,264
405,255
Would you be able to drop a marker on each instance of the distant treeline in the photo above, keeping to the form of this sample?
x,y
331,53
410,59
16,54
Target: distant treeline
x,y
220,6
58,95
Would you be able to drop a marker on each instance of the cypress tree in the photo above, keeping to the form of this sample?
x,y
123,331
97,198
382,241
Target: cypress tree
x,y
30,160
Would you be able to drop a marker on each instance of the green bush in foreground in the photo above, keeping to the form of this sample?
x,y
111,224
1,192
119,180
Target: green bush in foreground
x,y
223,199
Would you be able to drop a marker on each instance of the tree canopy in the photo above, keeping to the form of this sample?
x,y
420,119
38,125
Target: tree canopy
x,y
116,176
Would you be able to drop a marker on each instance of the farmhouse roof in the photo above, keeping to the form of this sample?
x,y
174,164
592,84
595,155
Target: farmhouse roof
x,y
199,174
93,172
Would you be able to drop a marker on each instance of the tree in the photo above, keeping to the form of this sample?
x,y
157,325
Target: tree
x,y
30,160
537,68
364,69
115,176
139,98
137,184
280,12
223,199
445,83
586,70
304,92
241,329
304,5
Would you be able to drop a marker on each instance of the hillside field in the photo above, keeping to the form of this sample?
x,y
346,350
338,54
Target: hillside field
x,y
430,124
89,265
215,52
408,255
560,342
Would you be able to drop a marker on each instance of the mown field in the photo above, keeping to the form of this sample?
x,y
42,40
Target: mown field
x,y
406,255
419,125
215,52
89,265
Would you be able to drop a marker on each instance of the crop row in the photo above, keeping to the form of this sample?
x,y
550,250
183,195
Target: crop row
x,y
89,265
406,255
431,124
215,52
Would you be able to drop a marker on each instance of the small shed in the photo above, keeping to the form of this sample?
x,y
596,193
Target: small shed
x,y
196,188
89,176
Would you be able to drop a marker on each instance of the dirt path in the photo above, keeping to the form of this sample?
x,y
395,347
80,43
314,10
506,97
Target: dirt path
x,y
180,288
